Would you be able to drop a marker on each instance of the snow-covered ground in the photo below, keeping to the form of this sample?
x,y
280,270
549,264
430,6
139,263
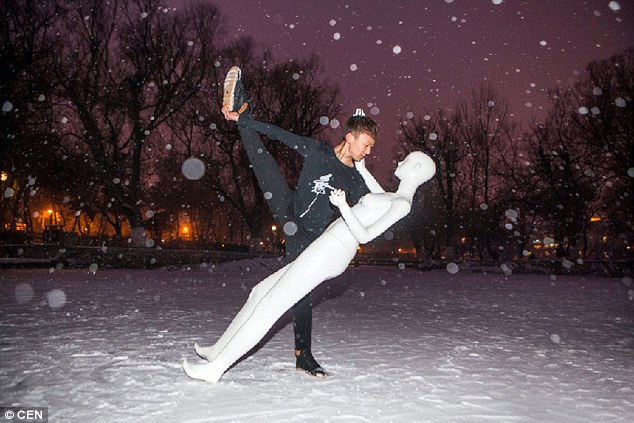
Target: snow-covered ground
x,y
401,345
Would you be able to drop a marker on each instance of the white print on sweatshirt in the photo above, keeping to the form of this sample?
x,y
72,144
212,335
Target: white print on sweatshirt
x,y
319,188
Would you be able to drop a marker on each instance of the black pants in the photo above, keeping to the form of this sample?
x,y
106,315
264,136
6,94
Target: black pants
x,y
279,197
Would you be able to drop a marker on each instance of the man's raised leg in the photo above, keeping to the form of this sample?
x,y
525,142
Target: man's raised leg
x,y
278,196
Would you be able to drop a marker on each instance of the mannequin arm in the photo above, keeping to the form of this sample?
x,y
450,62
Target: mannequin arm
x,y
399,208
370,182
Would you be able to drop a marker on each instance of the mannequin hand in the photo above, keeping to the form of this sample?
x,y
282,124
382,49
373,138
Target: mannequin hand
x,y
338,197
228,114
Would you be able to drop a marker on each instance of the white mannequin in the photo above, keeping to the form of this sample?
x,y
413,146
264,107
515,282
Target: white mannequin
x,y
327,257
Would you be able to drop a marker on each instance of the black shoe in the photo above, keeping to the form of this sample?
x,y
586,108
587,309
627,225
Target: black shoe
x,y
233,91
307,363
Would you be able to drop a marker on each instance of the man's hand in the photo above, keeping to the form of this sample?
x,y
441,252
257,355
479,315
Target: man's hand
x,y
338,197
228,114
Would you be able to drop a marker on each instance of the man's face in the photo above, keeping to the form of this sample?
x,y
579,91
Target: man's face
x,y
360,145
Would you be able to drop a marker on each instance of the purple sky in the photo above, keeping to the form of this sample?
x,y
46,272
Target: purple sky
x,y
416,55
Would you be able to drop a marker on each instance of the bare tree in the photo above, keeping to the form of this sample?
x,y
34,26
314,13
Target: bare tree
x,y
128,66
605,115
519,196
484,126
26,143
437,135
566,167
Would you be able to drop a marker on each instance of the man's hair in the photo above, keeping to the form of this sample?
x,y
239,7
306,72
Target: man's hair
x,y
362,125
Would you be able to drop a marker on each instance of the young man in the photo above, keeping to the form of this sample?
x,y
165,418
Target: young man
x,y
303,212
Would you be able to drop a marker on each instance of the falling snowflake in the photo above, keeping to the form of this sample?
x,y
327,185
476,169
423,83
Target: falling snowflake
x,y
23,293
193,168
614,6
290,228
56,298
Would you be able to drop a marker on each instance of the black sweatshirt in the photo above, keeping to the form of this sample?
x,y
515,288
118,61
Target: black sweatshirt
x,y
321,172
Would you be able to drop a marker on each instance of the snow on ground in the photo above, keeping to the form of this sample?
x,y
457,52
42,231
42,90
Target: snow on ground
x,y
402,346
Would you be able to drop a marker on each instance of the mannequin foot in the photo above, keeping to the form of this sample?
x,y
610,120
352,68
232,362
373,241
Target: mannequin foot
x,y
208,353
201,371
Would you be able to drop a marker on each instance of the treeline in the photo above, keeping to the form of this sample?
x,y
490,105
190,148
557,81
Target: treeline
x,y
503,191
103,102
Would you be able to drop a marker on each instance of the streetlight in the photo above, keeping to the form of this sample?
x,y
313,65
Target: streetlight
x,y
274,229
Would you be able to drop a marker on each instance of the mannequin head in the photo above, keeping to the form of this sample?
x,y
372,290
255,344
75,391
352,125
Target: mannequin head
x,y
417,168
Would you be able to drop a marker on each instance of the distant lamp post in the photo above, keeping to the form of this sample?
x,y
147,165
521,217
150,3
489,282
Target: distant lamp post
x,y
274,229
51,215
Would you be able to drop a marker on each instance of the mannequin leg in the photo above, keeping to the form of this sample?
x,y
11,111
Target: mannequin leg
x,y
258,291
268,301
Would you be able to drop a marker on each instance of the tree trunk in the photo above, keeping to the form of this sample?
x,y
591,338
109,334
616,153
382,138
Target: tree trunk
x,y
137,236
